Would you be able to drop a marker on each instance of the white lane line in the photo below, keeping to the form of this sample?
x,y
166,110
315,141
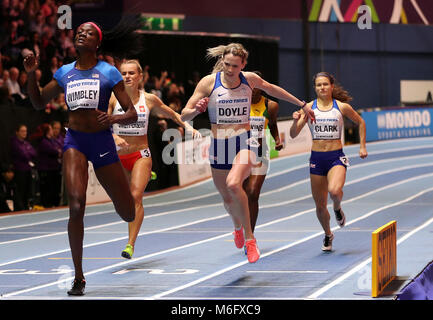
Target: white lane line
x,y
201,242
360,266
217,273
287,271
284,158
116,239
262,194
281,203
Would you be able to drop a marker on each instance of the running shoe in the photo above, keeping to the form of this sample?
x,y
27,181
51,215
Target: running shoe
x,y
253,252
77,288
128,252
340,217
153,175
239,237
327,243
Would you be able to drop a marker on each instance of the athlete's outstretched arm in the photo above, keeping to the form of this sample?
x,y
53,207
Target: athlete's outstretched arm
x,y
166,111
38,98
275,91
273,127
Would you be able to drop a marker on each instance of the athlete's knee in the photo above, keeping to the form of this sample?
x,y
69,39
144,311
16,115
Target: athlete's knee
x,y
234,186
335,192
137,196
77,206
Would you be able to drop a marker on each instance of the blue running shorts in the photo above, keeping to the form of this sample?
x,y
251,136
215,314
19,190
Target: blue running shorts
x,y
98,147
322,162
223,151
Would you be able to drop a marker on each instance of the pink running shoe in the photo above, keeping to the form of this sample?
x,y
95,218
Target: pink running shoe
x,y
239,238
253,252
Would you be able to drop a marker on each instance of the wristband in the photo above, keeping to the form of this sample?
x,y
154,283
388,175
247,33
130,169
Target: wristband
x,y
303,105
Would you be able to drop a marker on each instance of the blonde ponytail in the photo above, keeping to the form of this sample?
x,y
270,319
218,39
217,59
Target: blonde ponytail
x,y
220,51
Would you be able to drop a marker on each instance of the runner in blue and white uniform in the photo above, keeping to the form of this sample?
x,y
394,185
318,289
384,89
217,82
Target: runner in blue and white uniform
x,y
328,163
88,84
226,94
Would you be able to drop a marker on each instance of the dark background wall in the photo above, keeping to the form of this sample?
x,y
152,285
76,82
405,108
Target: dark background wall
x,y
368,63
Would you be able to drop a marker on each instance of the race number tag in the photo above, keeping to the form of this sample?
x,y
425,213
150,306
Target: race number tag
x,y
257,126
82,93
345,161
145,153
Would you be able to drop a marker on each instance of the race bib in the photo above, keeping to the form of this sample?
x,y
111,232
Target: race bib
x,y
232,111
83,94
257,126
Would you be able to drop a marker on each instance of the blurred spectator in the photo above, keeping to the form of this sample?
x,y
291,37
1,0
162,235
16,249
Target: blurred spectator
x,y
4,78
58,133
9,197
48,8
23,156
14,86
65,43
49,71
22,81
32,8
38,24
192,83
16,40
48,48
35,43
49,166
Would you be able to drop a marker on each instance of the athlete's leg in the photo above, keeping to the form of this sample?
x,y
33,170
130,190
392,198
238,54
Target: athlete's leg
x,y
115,183
140,177
240,170
252,186
319,189
219,178
336,180
75,172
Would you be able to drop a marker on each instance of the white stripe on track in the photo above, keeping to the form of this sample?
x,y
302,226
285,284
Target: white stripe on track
x,y
215,193
221,236
217,273
361,265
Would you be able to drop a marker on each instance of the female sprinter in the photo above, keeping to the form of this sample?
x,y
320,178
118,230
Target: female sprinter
x,y
88,84
132,143
328,163
226,93
263,115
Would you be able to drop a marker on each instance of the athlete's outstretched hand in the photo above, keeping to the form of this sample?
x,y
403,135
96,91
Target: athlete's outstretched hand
x,y
310,113
297,115
30,61
201,105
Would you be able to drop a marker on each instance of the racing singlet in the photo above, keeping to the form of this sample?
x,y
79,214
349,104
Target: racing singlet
x,y
230,106
138,128
259,118
329,124
88,89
